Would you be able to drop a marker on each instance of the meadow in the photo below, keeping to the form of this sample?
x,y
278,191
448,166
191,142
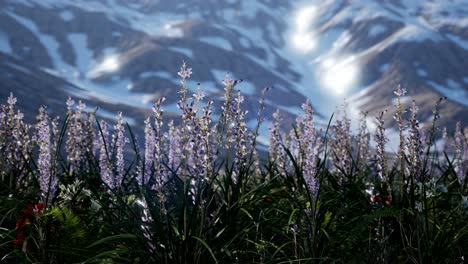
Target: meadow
x,y
77,189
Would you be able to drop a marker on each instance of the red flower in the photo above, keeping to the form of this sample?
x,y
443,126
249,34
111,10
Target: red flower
x,y
40,206
382,199
26,218
20,238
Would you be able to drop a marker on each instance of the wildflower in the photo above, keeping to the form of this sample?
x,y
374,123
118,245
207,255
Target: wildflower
x,y
158,142
205,151
199,95
460,155
444,139
47,178
381,140
310,153
149,152
184,71
228,82
175,144
104,163
11,100
240,134
385,200
342,142
119,140
398,116
80,136
254,134
15,142
276,150
27,217
363,144
400,92
414,144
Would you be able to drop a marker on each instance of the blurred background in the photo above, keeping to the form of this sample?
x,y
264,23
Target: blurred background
x,y
122,54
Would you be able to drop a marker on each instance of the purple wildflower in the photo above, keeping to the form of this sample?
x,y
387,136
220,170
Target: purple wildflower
x,y
363,144
15,142
80,136
254,134
158,142
398,116
342,142
240,135
460,155
380,141
175,144
414,144
184,72
119,140
104,159
400,92
149,152
47,179
444,139
276,150
311,145
228,82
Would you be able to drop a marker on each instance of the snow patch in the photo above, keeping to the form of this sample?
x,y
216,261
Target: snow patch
x,y
218,42
376,30
5,46
459,41
422,73
384,67
67,15
83,55
158,74
187,52
452,90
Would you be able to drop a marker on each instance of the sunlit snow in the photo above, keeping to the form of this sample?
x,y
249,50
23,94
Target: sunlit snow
x,y
109,64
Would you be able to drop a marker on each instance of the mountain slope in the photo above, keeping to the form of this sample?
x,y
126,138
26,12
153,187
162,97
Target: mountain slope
x,y
121,54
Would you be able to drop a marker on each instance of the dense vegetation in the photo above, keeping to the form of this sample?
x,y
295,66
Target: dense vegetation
x,y
80,191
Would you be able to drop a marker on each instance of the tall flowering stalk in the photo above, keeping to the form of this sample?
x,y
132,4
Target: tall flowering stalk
x,y
445,139
184,73
363,144
276,150
311,145
342,143
158,143
149,153
381,140
240,136
104,155
398,116
15,143
254,134
80,136
175,145
414,145
47,174
119,140
461,158
205,150
75,135
228,113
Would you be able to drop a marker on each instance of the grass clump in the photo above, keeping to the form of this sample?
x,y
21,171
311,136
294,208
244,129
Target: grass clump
x,y
201,191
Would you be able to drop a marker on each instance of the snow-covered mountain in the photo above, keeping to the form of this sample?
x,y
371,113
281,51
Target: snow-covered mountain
x,y
122,54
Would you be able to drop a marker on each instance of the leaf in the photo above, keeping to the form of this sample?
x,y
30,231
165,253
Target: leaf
x,y
207,247
112,238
